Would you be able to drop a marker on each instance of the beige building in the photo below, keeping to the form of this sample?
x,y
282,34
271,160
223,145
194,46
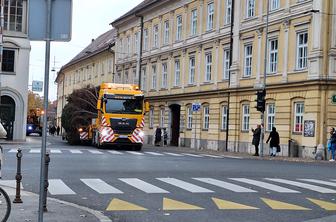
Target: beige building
x,y
91,67
186,60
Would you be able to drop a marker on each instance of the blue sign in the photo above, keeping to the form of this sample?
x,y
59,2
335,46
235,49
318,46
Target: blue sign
x,y
37,86
196,107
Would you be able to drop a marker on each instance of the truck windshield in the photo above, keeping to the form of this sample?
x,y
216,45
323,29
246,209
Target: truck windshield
x,y
127,106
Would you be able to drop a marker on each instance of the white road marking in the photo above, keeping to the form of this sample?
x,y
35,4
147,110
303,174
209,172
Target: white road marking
x,y
303,185
115,152
76,151
55,151
142,185
213,156
173,154
265,185
12,151
190,154
35,151
95,152
135,153
320,182
232,157
100,186
58,187
226,185
185,185
155,154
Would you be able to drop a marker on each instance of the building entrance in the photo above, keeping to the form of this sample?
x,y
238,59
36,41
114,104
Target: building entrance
x,y
7,115
175,124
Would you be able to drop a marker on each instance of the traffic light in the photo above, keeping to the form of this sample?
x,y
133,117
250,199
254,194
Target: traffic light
x,y
261,102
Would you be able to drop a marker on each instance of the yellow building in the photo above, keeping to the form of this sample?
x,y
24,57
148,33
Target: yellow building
x,y
186,59
91,67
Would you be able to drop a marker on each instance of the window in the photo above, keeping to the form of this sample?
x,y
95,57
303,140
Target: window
x,y
193,30
224,117
206,117
270,116
228,10
102,68
164,75
145,43
177,73
162,117
250,5
302,50
273,56
110,65
136,42
189,117
151,118
178,27
8,60
210,17
13,11
156,36
144,78
154,77
128,46
226,66
208,63
192,70
298,117
274,4
247,60
135,79
126,77
166,33
246,118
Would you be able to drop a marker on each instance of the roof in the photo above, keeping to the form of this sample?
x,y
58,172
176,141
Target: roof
x,y
144,4
100,44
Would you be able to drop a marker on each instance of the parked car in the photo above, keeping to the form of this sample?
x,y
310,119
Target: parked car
x,y
32,128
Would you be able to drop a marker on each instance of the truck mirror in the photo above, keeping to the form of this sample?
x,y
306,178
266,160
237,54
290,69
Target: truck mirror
x,y
146,107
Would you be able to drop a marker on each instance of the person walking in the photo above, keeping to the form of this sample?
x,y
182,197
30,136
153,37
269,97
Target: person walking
x,y
275,141
256,139
157,140
332,144
58,130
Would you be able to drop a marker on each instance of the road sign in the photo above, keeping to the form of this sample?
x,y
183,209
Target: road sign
x,y
196,107
37,86
61,17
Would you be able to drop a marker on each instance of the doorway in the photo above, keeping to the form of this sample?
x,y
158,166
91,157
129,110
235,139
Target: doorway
x,y
7,115
175,110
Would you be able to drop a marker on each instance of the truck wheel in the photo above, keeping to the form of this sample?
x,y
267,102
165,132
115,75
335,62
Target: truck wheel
x,y
137,147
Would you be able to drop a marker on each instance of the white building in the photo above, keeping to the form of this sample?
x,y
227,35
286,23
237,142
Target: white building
x,y
15,69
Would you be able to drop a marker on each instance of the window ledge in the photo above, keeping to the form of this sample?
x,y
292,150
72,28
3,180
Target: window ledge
x,y
188,129
8,73
176,87
190,85
206,83
205,130
296,71
163,89
152,90
223,130
247,77
244,131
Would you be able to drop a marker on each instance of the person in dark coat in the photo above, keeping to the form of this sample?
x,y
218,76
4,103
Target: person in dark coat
x,y
275,141
157,136
256,139
58,130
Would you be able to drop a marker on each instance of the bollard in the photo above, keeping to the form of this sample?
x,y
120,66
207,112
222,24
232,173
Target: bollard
x,y
46,183
18,177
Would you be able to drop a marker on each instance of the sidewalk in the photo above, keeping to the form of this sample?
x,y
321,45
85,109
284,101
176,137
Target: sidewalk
x,y
58,211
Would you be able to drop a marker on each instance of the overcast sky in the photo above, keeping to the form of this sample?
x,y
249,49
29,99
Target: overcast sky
x,y
89,20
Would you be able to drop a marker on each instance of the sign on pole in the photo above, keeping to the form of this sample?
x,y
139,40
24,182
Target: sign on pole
x,y
196,107
37,86
61,19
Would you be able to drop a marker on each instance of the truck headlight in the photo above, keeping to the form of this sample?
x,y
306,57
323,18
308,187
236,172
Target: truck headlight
x,y
30,127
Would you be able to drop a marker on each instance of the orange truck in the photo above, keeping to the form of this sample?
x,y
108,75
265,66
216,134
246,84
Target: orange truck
x,y
120,120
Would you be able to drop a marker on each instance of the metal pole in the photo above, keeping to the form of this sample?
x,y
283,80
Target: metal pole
x,y
44,131
18,177
262,116
2,24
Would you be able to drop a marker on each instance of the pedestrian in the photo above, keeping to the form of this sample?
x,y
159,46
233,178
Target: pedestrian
x,y
165,137
157,136
3,135
332,144
256,139
275,141
58,130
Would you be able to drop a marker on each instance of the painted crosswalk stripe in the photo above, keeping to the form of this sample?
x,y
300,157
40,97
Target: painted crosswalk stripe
x,y
55,151
265,185
226,185
155,154
303,185
233,157
76,151
100,186
35,151
213,156
172,154
12,151
193,155
320,182
185,185
115,152
142,185
135,153
58,187
95,152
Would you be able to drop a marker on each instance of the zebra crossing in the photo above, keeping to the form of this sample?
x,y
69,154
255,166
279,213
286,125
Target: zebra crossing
x,y
193,185
119,153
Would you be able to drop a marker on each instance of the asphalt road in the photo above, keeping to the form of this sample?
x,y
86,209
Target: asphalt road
x,y
161,185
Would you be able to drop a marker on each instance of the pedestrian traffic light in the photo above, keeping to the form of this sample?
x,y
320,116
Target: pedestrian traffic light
x,y
261,102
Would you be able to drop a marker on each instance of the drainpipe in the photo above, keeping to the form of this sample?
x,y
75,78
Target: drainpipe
x,y
140,49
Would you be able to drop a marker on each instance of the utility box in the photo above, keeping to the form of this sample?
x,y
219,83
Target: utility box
x,y
293,148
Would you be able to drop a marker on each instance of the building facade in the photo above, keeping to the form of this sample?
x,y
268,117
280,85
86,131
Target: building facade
x,y
186,59
14,73
91,67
